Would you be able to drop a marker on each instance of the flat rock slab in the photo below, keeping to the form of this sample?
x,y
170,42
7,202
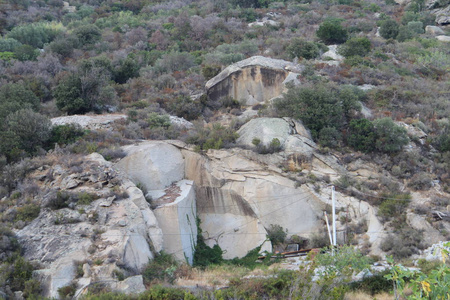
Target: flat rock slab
x,y
88,121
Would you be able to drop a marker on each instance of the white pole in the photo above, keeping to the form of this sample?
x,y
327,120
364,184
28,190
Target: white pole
x,y
328,228
333,203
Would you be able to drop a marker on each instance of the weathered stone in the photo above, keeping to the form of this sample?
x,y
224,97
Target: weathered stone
x,y
443,38
89,122
332,53
434,30
177,215
253,80
293,136
442,15
153,164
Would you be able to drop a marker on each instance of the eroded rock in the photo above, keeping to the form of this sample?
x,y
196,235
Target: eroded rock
x,y
252,80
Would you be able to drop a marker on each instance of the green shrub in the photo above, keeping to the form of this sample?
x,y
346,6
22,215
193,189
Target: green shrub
x,y
394,206
87,34
26,52
319,106
301,48
68,291
162,268
214,137
389,29
276,234
14,97
155,120
166,293
60,200
16,273
329,137
9,44
390,137
356,46
361,135
205,255
332,32
375,284
28,212
65,134
209,71
35,34
28,130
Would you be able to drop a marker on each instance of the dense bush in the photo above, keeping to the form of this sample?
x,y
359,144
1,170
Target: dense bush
x,y
65,134
29,130
356,46
36,35
14,97
361,135
390,137
215,137
87,34
332,32
389,29
301,48
161,269
276,234
320,106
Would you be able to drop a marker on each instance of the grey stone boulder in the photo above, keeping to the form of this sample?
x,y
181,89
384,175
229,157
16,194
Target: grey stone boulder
x,y
253,80
443,38
293,136
434,30
153,164
442,15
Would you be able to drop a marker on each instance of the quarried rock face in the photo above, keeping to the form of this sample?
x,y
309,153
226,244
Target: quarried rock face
x,y
177,215
237,199
253,80
154,164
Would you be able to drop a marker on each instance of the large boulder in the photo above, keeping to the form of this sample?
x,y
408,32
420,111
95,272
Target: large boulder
x,y
153,164
434,30
89,121
252,80
293,136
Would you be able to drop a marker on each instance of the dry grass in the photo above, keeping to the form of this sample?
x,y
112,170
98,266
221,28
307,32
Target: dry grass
x,y
364,296
216,276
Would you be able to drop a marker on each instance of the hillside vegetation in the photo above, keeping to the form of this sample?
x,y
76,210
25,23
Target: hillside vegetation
x,y
381,100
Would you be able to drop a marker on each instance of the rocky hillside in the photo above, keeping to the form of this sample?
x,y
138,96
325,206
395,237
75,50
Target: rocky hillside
x,y
138,138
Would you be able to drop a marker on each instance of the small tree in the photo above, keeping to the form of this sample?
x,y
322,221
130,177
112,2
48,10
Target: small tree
x,y
361,135
389,136
356,46
276,234
14,97
389,29
331,31
31,129
302,48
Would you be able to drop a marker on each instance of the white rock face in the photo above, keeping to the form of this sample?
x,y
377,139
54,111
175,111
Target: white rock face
x,y
153,164
443,38
332,53
176,215
89,121
238,198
